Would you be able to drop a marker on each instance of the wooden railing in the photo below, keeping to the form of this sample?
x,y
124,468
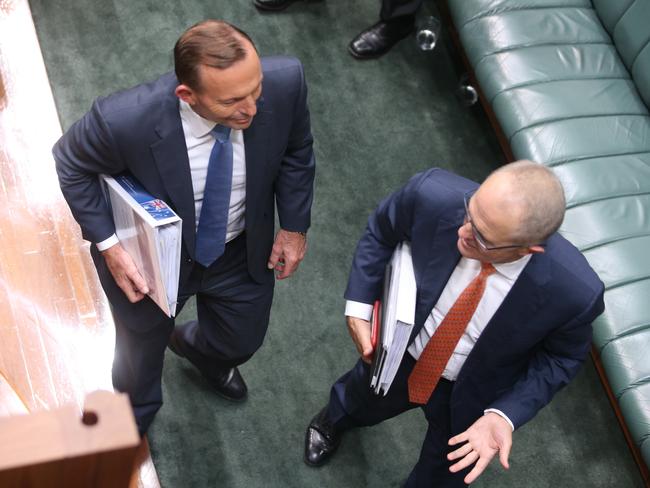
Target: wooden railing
x,y
56,331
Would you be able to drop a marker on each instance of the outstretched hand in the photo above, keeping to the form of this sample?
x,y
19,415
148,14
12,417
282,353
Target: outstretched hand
x,y
125,273
288,251
488,435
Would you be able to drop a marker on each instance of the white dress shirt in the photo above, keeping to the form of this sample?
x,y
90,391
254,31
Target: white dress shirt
x,y
497,288
199,143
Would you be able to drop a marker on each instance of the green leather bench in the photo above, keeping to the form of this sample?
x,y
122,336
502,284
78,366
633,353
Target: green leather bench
x,y
568,82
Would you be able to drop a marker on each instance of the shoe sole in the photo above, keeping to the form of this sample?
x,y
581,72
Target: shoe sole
x,y
226,397
360,57
312,465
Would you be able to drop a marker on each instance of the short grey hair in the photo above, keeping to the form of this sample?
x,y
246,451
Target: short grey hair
x,y
539,194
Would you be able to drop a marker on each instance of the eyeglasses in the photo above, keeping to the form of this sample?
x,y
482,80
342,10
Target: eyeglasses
x,y
477,235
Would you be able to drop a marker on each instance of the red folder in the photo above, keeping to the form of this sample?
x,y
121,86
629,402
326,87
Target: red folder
x,y
374,335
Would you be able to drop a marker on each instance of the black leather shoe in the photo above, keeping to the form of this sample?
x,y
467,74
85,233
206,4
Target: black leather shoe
x,y
380,38
273,5
321,439
228,382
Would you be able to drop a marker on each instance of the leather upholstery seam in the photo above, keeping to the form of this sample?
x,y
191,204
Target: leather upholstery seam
x,y
621,17
602,243
499,11
645,46
605,198
552,80
633,386
562,119
541,44
592,156
619,284
629,332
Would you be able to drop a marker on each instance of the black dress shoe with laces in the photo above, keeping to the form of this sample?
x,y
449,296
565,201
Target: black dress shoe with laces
x,y
272,4
378,39
321,439
227,382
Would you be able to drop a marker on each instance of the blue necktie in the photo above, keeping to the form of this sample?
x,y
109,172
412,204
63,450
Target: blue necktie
x,y
211,233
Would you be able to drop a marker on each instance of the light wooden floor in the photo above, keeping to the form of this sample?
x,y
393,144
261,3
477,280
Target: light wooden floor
x,y
56,332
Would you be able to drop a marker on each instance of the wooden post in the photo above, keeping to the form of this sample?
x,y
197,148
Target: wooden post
x,y
65,448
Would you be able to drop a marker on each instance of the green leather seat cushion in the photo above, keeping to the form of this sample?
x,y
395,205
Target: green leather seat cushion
x,y
582,138
607,177
635,406
606,221
626,312
528,106
539,64
627,22
627,358
518,29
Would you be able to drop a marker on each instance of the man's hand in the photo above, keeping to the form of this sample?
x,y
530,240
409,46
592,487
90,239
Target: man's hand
x,y
288,250
360,332
125,273
486,436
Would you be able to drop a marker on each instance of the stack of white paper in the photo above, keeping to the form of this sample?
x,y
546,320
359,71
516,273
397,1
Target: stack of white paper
x,y
396,318
150,232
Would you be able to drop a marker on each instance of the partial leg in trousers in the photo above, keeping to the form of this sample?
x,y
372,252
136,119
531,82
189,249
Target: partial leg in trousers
x,y
141,334
137,368
394,9
353,404
233,311
432,468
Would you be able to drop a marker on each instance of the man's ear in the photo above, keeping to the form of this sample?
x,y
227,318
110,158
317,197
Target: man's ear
x,y
530,250
535,249
186,94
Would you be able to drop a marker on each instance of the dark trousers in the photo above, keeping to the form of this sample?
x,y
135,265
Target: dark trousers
x,y
394,9
233,315
353,404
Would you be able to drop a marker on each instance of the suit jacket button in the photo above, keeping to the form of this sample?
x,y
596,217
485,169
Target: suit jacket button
x,y
189,261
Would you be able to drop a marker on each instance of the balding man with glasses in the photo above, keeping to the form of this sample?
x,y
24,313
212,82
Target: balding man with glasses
x,y
503,317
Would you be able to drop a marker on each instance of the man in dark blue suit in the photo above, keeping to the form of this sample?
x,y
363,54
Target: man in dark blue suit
x,y
527,337
222,108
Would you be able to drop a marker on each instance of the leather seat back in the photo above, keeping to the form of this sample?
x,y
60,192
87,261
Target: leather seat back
x,y
628,23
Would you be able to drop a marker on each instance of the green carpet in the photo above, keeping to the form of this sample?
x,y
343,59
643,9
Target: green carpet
x,y
375,124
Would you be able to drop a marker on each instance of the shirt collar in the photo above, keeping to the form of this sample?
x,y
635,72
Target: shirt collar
x,y
513,269
198,126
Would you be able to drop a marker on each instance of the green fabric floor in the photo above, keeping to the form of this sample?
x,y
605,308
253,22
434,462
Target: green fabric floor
x,y
375,124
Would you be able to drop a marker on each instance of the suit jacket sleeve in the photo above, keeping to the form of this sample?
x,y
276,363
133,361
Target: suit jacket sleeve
x,y
389,224
295,180
555,363
83,152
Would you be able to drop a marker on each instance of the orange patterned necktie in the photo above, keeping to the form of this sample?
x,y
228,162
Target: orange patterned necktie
x,y
427,371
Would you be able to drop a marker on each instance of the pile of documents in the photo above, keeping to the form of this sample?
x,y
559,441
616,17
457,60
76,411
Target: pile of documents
x,y
393,319
150,232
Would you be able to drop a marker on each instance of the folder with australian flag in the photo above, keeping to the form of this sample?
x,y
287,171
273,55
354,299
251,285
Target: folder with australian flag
x,y
150,231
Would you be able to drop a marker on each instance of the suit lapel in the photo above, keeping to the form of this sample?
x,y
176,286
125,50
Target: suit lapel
x,y
256,146
443,258
170,155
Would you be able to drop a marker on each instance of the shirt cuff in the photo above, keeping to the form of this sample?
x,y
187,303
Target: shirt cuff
x,y
500,414
106,243
358,310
